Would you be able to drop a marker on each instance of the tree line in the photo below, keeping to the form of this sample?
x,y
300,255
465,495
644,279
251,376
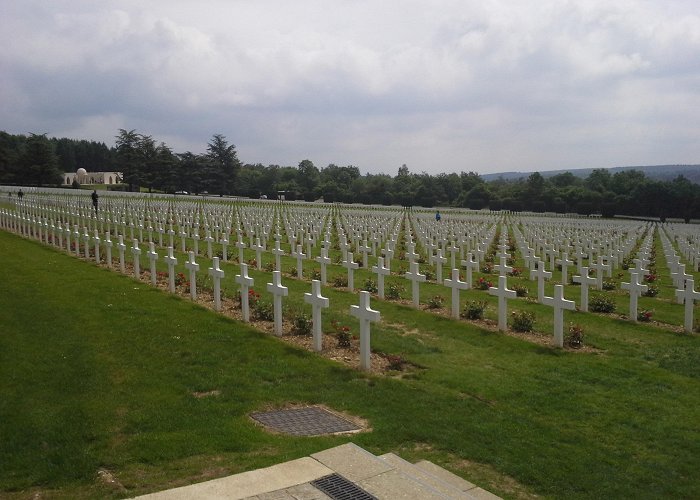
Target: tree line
x,y
145,163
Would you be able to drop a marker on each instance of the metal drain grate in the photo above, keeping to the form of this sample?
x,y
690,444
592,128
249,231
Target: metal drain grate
x,y
339,488
309,421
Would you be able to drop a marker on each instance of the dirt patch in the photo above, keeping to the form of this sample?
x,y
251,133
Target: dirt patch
x,y
107,478
207,394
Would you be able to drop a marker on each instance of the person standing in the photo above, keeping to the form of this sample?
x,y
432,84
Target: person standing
x,y
95,197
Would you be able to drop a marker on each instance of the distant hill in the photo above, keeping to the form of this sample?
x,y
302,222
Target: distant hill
x,y
659,172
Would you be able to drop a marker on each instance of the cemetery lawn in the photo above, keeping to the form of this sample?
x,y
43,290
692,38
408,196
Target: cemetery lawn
x,y
110,388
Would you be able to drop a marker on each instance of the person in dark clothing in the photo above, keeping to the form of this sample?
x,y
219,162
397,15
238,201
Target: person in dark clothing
x,y
95,197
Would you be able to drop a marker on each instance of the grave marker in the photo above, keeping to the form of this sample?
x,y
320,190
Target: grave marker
x,y
193,267
246,283
278,291
317,302
503,293
456,285
559,303
217,275
366,315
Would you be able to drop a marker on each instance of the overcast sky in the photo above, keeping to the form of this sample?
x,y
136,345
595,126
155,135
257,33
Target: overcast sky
x,y
442,86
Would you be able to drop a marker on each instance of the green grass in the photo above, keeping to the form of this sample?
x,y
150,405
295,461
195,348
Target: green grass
x,y
98,371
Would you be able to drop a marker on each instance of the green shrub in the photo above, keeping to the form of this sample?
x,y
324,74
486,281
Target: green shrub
x,y
370,286
474,309
262,310
394,291
301,324
340,281
574,337
609,285
601,304
436,302
521,290
522,321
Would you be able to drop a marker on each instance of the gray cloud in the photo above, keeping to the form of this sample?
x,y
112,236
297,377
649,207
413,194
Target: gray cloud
x,y
440,86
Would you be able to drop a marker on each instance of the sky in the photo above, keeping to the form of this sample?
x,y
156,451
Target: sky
x,y
439,85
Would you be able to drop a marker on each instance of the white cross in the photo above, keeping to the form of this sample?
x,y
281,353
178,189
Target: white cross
x,y
108,248
456,285
183,239
585,281
530,258
193,268
599,267
86,240
366,315
300,265
278,291
453,249
153,257
209,239
224,247
638,267
324,260
278,252
217,275
240,244
121,247
68,235
309,243
171,261
195,239
541,275
689,295
136,253
97,240
350,265
317,302
381,271
559,303
415,277
411,254
388,255
680,276
471,265
636,289
580,255
246,283
565,263
365,249
503,268
258,252
503,293
439,261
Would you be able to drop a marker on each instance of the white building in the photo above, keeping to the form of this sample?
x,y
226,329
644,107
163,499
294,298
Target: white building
x,y
85,177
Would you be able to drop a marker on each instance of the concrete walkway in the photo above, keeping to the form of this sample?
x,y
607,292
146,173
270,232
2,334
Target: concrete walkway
x,y
385,477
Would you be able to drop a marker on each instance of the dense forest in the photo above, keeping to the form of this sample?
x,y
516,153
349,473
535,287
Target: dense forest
x,y
145,163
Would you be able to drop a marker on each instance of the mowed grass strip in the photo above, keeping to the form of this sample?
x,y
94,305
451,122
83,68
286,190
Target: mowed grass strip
x,y
99,372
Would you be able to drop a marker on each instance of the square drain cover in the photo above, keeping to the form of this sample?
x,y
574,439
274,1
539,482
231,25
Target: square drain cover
x,y
309,421
339,488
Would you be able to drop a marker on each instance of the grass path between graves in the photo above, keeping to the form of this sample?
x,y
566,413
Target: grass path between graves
x,y
99,377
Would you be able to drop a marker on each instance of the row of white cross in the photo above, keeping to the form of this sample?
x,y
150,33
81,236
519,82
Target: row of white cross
x,y
683,281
